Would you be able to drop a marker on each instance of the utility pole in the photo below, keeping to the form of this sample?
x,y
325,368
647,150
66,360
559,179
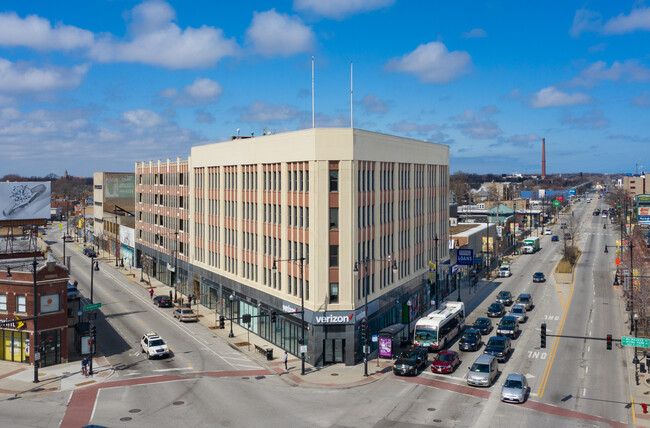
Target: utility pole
x,y
35,347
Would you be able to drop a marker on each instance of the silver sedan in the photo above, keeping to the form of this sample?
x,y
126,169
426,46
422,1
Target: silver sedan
x,y
515,388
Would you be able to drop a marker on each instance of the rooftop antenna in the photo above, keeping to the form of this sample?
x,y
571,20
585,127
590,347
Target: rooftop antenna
x,y
237,132
313,121
351,93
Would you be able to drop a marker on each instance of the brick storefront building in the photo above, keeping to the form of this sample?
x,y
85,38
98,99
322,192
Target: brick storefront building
x,y
17,303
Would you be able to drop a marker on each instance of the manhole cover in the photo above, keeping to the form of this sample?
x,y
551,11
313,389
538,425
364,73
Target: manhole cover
x,y
178,403
245,378
335,374
431,409
37,389
135,411
437,421
260,377
126,419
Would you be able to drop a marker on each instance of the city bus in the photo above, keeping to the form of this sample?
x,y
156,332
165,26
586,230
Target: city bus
x,y
437,329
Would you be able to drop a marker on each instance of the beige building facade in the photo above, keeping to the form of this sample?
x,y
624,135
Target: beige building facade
x,y
284,220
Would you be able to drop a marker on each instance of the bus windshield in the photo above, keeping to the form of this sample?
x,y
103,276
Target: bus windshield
x,y
426,335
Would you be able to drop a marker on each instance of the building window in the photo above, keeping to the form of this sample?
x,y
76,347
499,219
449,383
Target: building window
x,y
334,218
334,180
21,304
334,255
3,302
334,292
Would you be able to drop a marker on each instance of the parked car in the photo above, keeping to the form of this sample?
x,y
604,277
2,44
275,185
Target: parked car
x,y
73,292
90,252
504,272
515,388
68,238
470,340
539,277
547,232
445,362
555,238
184,315
483,325
163,302
498,347
567,236
508,326
504,297
519,311
525,299
496,310
153,346
410,362
483,372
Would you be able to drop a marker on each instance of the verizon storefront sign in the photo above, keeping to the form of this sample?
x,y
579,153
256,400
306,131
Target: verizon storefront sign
x,y
334,318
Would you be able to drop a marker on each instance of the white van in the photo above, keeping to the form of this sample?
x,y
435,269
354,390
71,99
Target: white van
x,y
504,271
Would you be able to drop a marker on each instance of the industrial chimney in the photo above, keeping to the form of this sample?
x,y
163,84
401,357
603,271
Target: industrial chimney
x,y
543,158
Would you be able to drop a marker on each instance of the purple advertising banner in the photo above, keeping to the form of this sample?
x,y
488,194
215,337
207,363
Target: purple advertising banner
x,y
385,347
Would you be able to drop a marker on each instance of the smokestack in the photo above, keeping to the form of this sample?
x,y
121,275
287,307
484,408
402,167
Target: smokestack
x,y
543,158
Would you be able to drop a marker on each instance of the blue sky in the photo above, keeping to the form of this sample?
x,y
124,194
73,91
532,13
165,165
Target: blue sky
x,y
96,86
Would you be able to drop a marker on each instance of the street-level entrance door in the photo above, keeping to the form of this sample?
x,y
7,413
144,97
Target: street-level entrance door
x,y
334,350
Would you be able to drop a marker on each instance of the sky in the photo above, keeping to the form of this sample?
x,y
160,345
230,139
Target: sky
x,y
97,86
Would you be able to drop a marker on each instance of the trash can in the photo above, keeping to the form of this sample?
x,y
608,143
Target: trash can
x,y
642,367
269,354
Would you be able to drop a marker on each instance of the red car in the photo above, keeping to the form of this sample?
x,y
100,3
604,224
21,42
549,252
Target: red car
x,y
446,362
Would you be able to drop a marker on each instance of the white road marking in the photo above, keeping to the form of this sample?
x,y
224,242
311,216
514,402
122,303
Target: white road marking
x,y
92,415
132,374
443,377
173,370
586,369
588,348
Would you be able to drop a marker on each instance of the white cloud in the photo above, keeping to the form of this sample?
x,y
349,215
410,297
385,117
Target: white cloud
x,y
629,70
203,116
272,33
593,119
433,63
37,33
638,19
643,100
157,40
201,91
475,126
261,111
406,127
600,47
585,20
339,9
141,118
522,138
21,77
475,33
552,97
33,141
372,104
489,110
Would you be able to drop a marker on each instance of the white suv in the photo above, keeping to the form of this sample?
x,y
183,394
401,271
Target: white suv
x,y
154,346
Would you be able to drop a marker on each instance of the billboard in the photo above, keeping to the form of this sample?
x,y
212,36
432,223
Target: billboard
x,y
127,236
118,186
643,209
25,200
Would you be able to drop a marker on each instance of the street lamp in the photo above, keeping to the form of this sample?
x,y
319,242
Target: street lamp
x,y
274,268
435,239
94,266
231,334
366,284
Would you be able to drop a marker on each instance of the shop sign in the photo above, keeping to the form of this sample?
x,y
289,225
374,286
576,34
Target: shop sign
x,y
334,319
288,308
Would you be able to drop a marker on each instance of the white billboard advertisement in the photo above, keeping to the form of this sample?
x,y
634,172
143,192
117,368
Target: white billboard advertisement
x,y
127,236
25,200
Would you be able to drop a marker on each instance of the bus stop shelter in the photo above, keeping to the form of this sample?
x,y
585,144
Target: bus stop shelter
x,y
390,339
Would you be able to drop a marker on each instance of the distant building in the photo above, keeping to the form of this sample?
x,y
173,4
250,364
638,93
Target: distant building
x,y
636,184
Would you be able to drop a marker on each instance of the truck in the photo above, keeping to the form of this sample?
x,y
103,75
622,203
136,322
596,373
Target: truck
x,y
531,245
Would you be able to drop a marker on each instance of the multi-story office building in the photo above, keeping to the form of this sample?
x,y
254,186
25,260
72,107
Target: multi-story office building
x,y
257,225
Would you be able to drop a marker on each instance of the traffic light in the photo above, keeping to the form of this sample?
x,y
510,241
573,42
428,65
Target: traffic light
x,y
543,336
273,316
222,322
364,327
93,332
609,342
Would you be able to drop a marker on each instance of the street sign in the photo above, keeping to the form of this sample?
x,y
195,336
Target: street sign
x,y
635,341
465,257
375,338
478,260
556,203
93,306
572,191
